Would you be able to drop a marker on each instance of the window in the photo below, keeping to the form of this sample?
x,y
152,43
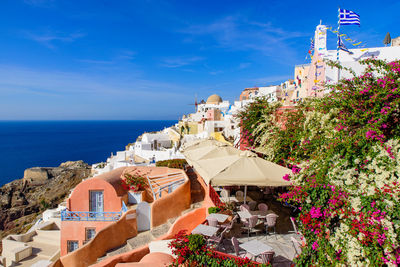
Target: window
x,y
72,245
96,203
90,233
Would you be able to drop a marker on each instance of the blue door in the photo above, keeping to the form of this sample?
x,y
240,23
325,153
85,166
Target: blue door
x,y
96,201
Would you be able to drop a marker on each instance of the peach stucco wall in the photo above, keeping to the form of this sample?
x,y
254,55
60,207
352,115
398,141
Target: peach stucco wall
x,y
186,222
111,236
72,230
171,205
79,201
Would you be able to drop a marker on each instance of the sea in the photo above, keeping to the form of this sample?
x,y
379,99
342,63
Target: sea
x,y
26,144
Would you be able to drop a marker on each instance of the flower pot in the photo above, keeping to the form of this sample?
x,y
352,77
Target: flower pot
x,y
135,197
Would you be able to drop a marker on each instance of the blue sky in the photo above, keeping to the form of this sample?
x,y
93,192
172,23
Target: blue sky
x,y
109,59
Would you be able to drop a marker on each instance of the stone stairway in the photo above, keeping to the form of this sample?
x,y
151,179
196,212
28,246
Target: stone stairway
x,y
197,191
145,237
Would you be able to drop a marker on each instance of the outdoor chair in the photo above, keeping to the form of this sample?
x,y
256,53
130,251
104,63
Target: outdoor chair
x,y
240,253
252,205
213,222
217,240
225,195
267,257
270,223
231,223
295,230
262,207
250,225
296,246
239,193
244,207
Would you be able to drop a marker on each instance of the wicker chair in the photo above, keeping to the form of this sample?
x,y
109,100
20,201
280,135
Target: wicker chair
x,y
213,222
250,225
267,257
238,252
262,207
271,222
239,193
252,205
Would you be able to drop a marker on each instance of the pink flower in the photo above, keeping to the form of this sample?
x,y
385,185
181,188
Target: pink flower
x,y
286,177
315,245
315,212
296,169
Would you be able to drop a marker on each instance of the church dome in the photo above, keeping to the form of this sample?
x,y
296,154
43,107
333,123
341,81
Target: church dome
x,y
214,99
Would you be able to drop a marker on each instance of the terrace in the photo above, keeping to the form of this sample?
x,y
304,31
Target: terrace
x,y
249,232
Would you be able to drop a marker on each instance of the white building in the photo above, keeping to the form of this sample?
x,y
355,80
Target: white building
x,y
320,72
272,93
157,146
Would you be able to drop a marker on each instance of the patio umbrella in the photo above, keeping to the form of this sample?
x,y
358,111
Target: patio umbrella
x,y
210,167
198,143
242,169
248,169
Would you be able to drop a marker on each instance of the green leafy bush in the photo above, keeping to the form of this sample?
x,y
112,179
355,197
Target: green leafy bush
x,y
213,210
192,250
172,163
344,151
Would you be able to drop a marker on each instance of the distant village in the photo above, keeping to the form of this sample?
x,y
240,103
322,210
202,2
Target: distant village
x,y
69,235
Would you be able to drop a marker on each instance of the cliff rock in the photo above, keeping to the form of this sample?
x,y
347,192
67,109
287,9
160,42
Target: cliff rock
x,y
22,200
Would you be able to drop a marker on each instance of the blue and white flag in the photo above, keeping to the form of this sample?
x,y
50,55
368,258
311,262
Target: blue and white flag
x,y
342,46
347,17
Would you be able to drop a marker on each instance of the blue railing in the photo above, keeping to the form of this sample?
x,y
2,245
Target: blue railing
x,y
67,215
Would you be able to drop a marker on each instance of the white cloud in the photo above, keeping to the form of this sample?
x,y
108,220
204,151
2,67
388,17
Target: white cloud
x,y
242,34
176,62
50,39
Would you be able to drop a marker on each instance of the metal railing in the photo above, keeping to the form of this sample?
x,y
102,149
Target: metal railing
x,y
214,197
67,215
169,182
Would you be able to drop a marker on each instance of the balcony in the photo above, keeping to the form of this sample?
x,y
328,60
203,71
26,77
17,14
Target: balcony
x,y
90,216
67,215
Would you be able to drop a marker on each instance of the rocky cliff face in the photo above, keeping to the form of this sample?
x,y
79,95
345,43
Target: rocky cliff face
x,y
21,201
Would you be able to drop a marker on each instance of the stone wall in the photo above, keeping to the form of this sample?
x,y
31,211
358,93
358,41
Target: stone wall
x,y
396,41
36,174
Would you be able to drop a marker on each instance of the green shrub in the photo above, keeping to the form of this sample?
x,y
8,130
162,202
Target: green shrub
x,y
172,163
213,210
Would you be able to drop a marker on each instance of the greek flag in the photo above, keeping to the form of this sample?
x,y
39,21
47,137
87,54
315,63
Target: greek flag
x,y
347,17
342,46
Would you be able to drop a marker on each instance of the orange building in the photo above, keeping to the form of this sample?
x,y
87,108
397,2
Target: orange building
x,y
214,114
248,93
94,204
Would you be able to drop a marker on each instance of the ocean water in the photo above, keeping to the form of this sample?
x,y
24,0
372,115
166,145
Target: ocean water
x,y
26,144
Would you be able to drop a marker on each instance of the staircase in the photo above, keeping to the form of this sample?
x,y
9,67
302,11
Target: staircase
x,y
145,237
197,191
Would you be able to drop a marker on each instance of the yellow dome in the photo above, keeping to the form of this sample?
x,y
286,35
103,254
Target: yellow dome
x,y
214,99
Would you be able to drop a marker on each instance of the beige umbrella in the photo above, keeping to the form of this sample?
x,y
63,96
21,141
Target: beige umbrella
x,y
221,151
209,168
198,144
248,169
244,168
211,151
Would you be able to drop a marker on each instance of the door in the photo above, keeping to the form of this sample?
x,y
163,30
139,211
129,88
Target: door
x,y
96,201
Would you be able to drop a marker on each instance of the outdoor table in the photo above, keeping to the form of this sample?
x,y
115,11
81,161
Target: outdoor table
x,y
240,199
220,217
259,213
255,247
205,230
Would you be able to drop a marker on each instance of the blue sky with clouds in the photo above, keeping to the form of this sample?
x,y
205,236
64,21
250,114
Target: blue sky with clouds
x,y
109,59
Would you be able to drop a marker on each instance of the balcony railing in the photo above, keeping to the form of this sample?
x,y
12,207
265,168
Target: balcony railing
x,y
214,197
67,215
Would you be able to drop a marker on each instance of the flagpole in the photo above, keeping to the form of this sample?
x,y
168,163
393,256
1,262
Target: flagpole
x,y
338,44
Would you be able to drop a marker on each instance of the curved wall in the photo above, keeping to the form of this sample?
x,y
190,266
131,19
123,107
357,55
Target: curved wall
x,y
113,235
